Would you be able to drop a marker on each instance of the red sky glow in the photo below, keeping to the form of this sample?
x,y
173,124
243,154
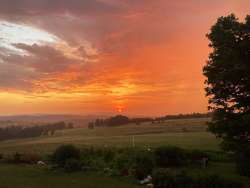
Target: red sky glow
x,y
137,57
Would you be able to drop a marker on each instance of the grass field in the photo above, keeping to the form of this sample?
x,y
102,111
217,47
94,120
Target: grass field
x,y
23,176
189,133
27,176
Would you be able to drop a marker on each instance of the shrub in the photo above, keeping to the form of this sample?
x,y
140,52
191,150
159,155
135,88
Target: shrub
x,y
196,156
184,181
215,181
164,178
29,158
143,164
26,158
63,153
123,162
170,156
219,156
97,159
243,163
108,155
72,165
17,157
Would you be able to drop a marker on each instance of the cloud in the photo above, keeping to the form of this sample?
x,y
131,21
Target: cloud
x,y
40,62
15,77
41,7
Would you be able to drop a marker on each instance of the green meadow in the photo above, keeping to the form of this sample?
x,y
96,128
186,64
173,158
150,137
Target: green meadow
x,y
23,176
188,133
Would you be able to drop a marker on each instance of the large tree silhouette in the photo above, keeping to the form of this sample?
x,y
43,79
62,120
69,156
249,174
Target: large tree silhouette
x,y
228,81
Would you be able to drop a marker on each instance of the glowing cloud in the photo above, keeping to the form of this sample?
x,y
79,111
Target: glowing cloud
x,y
11,33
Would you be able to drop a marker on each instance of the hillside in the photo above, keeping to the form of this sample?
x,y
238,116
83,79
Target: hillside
x,y
189,133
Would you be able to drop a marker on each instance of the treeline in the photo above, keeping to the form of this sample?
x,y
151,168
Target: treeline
x,y
14,132
122,120
184,116
112,121
116,121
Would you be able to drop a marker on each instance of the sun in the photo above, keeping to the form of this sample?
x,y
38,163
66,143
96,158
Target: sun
x,y
119,108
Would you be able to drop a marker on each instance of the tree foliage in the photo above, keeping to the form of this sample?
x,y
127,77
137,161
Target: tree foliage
x,y
228,81
64,153
15,132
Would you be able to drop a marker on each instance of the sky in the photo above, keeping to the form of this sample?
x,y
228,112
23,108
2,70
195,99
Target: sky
x,y
136,57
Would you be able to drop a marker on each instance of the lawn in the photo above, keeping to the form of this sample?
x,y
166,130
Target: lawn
x,y
23,176
27,176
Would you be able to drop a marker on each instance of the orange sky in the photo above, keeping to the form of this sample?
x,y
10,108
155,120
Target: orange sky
x,y
106,56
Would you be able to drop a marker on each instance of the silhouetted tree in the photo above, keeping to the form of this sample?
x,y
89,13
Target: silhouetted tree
x,y
13,132
70,125
117,120
91,125
228,82
98,123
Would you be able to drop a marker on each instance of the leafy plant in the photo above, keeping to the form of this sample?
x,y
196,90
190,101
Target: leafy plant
x,y
243,162
65,152
167,156
72,165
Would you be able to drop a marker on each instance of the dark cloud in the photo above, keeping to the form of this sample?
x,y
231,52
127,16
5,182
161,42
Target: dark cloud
x,y
16,77
43,59
39,62
41,7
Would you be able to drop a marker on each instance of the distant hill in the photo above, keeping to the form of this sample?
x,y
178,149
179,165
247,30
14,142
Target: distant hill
x,y
77,120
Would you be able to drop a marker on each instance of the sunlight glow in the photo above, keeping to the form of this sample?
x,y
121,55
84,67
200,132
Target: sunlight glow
x,y
124,89
119,108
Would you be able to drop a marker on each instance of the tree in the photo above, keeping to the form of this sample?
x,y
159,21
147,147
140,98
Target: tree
x,y
91,125
64,153
70,125
118,120
228,82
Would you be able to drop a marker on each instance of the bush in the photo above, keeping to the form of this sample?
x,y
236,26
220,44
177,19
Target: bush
x,y
170,156
26,158
97,159
123,162
108,155
164,178
196,156
72,165
243,163
17,157
218,156
29,158
64,153
215,181
143,164
1,156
